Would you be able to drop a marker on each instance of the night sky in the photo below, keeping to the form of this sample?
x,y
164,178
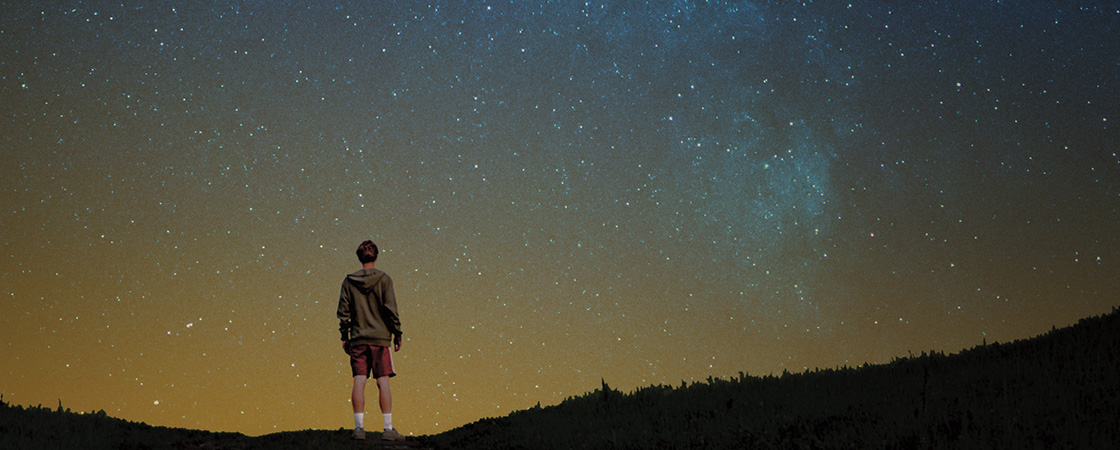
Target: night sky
x,y
563,192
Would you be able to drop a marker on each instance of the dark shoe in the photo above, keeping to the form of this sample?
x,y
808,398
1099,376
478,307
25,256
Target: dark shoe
x,y
359,434
391,435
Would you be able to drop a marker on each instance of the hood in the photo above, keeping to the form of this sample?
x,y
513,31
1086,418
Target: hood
x,y
366,279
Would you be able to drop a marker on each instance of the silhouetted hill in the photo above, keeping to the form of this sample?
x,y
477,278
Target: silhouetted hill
x,y
1059,390
43,428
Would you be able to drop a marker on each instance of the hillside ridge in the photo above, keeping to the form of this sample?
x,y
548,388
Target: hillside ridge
x,y
1057,390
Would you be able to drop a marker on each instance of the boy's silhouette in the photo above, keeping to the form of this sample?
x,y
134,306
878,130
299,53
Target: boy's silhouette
x,y
368,321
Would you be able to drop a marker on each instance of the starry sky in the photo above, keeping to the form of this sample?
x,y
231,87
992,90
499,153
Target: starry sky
x,y
563,192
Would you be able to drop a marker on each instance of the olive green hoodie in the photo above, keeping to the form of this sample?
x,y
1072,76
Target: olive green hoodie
x,y
367,308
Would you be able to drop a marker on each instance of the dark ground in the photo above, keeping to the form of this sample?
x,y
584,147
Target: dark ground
x,y
1059,390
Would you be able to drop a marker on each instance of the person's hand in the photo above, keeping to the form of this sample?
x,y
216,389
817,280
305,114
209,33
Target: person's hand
x,y
346,346
397,343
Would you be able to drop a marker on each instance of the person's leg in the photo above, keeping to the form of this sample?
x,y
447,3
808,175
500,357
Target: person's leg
x,y
384,397
383,371
358,396
358,399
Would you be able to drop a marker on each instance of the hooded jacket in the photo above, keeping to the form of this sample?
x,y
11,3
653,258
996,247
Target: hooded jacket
x,y
367,308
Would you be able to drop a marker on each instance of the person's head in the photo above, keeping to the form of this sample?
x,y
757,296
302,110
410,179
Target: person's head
x,y
367,252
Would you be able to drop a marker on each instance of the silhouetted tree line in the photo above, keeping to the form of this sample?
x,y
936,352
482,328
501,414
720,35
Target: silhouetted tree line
x,y
39,427
1059,390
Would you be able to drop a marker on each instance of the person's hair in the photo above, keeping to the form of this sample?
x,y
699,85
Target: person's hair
x,y
367,252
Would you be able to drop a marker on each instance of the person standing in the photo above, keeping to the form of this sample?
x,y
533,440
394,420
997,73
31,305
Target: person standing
x,y
369,324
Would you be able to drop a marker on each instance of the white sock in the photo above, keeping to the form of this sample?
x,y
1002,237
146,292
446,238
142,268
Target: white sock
x,y
388,421
358,417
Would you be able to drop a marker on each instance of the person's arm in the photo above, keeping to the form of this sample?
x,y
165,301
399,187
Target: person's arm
x,y
391,317
344,313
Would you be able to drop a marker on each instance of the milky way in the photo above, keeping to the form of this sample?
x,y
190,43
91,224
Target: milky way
x,y
563,192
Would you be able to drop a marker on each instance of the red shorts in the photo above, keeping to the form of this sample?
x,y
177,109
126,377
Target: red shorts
x,y
373,361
